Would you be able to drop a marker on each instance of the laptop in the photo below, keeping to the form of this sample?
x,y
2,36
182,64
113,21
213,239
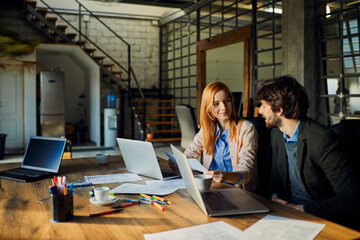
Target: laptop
x,y
140,158
41,160
217,202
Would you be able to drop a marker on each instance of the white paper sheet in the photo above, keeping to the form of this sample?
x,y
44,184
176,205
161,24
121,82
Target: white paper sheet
x,y
194,163
274,227
211,231
112,178
172,183
130,188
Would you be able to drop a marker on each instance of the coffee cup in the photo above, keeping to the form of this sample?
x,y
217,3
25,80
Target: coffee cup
x,y
203,181
101,194
102,158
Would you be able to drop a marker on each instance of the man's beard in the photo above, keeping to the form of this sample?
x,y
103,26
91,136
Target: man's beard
x,y
274,122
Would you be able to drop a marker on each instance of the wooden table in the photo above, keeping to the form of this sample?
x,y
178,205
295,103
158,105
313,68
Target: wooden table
x,y
22,216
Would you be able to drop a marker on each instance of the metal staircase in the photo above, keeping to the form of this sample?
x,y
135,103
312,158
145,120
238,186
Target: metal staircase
x,y
153,109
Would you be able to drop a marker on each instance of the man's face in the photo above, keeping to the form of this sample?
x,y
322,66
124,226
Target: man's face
x,y
272,119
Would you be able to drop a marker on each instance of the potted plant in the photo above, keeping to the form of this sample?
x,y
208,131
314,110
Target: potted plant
x,y
149,132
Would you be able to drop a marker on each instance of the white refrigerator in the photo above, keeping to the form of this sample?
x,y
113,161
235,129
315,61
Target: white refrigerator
x,y
52,109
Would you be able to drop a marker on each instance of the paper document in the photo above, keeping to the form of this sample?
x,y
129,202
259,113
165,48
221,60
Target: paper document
x,y
153,189
209,231
194,163
273,227
112,178
172,183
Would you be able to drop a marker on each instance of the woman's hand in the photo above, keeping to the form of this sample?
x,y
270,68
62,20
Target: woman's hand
x,y
218,175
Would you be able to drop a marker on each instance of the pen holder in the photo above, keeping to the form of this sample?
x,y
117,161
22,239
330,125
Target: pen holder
x,y
61,208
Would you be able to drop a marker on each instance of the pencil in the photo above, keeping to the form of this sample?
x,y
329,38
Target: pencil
x,y
105,213
157,205
161,199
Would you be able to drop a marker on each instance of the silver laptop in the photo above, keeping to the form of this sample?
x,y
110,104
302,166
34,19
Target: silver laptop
x,y
140,158
217,202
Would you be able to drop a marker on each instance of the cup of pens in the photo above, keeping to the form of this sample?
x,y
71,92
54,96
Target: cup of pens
x,y
61,202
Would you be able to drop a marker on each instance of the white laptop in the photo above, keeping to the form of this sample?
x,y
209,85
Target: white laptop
x,y
140,158
216,202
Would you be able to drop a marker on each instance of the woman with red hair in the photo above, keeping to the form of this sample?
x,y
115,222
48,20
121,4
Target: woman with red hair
x,y
228,142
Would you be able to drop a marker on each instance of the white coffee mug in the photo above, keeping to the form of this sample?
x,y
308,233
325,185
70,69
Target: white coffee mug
x,y
203,181
102,194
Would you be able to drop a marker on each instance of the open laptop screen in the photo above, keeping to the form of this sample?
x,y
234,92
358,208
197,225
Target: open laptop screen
x,y
44,154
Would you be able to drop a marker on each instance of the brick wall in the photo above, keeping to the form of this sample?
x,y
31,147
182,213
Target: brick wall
x,y
142,35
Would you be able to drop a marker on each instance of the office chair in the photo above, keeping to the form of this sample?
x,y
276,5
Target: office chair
x,y
188,124
348,131
264,155
238,102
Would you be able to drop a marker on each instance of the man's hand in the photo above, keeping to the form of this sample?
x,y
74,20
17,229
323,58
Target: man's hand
x,y
295,206
275,198
173,165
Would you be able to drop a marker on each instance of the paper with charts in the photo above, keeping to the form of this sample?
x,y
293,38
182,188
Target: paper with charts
x,y
112,178
274,227
194,163
209,231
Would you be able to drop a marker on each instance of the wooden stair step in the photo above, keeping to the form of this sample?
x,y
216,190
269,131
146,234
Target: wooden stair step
x,y
52,19
81,43
164,108
159,115
124,79
71,35
99,58
89,50
164,140
42,11
61,28
117,72
31,3
156,100
162,123
166,131
107,65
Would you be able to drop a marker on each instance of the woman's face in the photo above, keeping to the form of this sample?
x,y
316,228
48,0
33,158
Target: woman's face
x,y
222,107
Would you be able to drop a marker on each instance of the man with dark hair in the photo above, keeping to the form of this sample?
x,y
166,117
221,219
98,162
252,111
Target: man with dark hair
x,y
309,170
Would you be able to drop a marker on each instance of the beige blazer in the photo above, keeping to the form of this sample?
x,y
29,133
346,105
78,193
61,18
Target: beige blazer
x,y
242,152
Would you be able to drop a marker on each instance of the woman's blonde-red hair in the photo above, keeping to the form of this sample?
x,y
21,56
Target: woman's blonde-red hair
x,y
208,121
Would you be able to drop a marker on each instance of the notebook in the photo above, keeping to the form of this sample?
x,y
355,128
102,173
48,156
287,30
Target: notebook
x,y
216,202
41,160
140,158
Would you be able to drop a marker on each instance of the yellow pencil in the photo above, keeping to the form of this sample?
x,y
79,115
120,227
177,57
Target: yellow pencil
x,y
145,196
161,199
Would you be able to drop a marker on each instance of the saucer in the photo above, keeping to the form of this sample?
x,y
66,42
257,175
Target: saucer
x,y
112,199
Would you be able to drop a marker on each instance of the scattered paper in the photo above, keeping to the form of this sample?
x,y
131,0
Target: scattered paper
x,y
194,163
172,183
112,178
130,188
209,231
273,227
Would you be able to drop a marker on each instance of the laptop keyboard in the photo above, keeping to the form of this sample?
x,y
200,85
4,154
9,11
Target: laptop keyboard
x,y
26,172
217,201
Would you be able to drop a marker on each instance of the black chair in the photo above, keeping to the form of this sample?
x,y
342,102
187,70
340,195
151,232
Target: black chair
x,y
188,124
349,133
264,155
238,102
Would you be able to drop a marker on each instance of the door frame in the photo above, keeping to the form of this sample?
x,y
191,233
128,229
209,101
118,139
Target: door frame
x,y
235,36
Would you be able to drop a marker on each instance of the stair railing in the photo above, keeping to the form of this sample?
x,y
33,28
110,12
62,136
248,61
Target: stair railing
x,y
129,70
